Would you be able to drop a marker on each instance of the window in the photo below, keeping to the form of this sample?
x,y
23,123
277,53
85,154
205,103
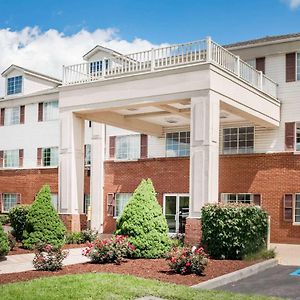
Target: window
x,y
50,157
54,200
297,136
238,198
298,66
127,147
9,201
87,155
86,203
291,208
297,208
238,140
14,85
96,66
12,116
178,144
121,201
11,159
50,111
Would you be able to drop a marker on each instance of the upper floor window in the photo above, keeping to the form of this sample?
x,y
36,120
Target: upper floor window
x,y
298,66
9,200
297,136
127,147
178,144
12,116
238,140
87,155
14,85
11,158
54,200
50,157
50,111
97,66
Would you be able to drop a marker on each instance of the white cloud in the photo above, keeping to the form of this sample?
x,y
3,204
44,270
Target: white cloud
x,y
293,4
46,52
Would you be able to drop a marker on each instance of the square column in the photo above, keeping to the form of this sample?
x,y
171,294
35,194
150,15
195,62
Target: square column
x,y
204,157
97,176
71,169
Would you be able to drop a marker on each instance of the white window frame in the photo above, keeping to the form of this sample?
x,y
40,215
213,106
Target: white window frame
x,y
17,159
49,115
15,194
43,161
223,196
167,154
14,93
238,133
294,209
130,151
116,204
12,121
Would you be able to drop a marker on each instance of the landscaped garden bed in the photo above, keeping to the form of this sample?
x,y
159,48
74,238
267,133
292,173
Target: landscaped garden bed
x,y
145,268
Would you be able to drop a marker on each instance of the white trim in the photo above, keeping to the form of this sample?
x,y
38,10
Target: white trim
x,y
294,210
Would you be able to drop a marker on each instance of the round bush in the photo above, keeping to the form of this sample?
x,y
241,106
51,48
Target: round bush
x,y
43,224
17,216
144,223
4,243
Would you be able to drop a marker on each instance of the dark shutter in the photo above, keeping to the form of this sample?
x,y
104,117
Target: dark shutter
x,y
257,199
260,64
22,114
39,156
290,67
1,158
112,146
144,146
111,204
40,112
21,156
2,115
290,136
18,198
288,207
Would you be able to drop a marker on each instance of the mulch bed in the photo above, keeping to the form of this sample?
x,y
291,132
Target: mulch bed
x,y
146,268
18,250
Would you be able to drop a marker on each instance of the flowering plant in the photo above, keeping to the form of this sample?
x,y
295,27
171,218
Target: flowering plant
x,y
109,250
48,258
188,260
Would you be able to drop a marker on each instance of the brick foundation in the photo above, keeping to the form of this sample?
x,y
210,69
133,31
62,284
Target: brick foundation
x,y
72,222
193,233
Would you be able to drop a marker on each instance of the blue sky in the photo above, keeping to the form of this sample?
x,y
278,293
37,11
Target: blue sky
x,y
157,21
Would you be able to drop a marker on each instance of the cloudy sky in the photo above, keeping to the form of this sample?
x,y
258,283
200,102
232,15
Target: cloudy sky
x,y
44,35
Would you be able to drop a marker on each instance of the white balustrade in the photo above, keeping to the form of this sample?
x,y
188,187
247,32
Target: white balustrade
x,y
173,56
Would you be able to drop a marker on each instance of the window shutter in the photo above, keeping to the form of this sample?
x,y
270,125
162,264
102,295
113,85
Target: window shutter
x,y
18,198
21,156
257,199
144,146
290,136
290,67
111,204
112,146
1,158
39,156
22,114
40,112
260,64
288,207
2,115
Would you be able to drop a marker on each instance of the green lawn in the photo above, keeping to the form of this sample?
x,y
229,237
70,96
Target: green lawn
x,y
106,286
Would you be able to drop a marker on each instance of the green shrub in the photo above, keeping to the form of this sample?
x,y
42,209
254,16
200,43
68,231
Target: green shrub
x,y
262,254
4,219
74,238
4,244
232,231
144,223
17,216
43,224
89,235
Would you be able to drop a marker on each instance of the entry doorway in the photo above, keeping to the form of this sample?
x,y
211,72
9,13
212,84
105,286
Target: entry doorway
x,y
176,210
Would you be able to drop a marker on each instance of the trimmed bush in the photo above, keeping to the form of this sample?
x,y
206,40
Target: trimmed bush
x,y
4,244
144,223
17,216
232,231
74,238
43,224
4,219
89,235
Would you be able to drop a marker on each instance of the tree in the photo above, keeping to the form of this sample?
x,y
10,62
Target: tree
x,y
43,224
144,223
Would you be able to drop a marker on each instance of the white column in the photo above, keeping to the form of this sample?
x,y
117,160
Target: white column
x,y
204,157
97,176
71,167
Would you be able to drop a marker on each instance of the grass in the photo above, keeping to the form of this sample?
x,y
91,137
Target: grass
x,y
263,254
107,286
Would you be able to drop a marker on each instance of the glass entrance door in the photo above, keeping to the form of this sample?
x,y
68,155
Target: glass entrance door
x,y
176,210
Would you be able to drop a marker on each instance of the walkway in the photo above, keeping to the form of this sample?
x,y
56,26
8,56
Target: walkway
x,y
23,262
288,254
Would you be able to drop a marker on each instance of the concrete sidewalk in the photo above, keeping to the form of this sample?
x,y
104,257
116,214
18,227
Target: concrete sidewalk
x,y
287,254
23,262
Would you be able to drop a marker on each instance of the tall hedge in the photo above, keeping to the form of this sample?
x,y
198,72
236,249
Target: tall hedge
x,y
17,216
4,244
231,231
43,224
144,223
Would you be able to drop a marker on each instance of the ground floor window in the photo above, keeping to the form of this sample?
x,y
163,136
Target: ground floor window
x,y
237,198
291,208
9,200
121,200
54,200
86,203
176,210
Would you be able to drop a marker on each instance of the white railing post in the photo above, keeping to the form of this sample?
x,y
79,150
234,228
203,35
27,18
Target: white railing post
x,y
103,69
152,60
261,80
63,75
209,49
238,66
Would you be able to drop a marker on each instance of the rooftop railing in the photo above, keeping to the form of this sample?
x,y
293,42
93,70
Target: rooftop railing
x,y
202,51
